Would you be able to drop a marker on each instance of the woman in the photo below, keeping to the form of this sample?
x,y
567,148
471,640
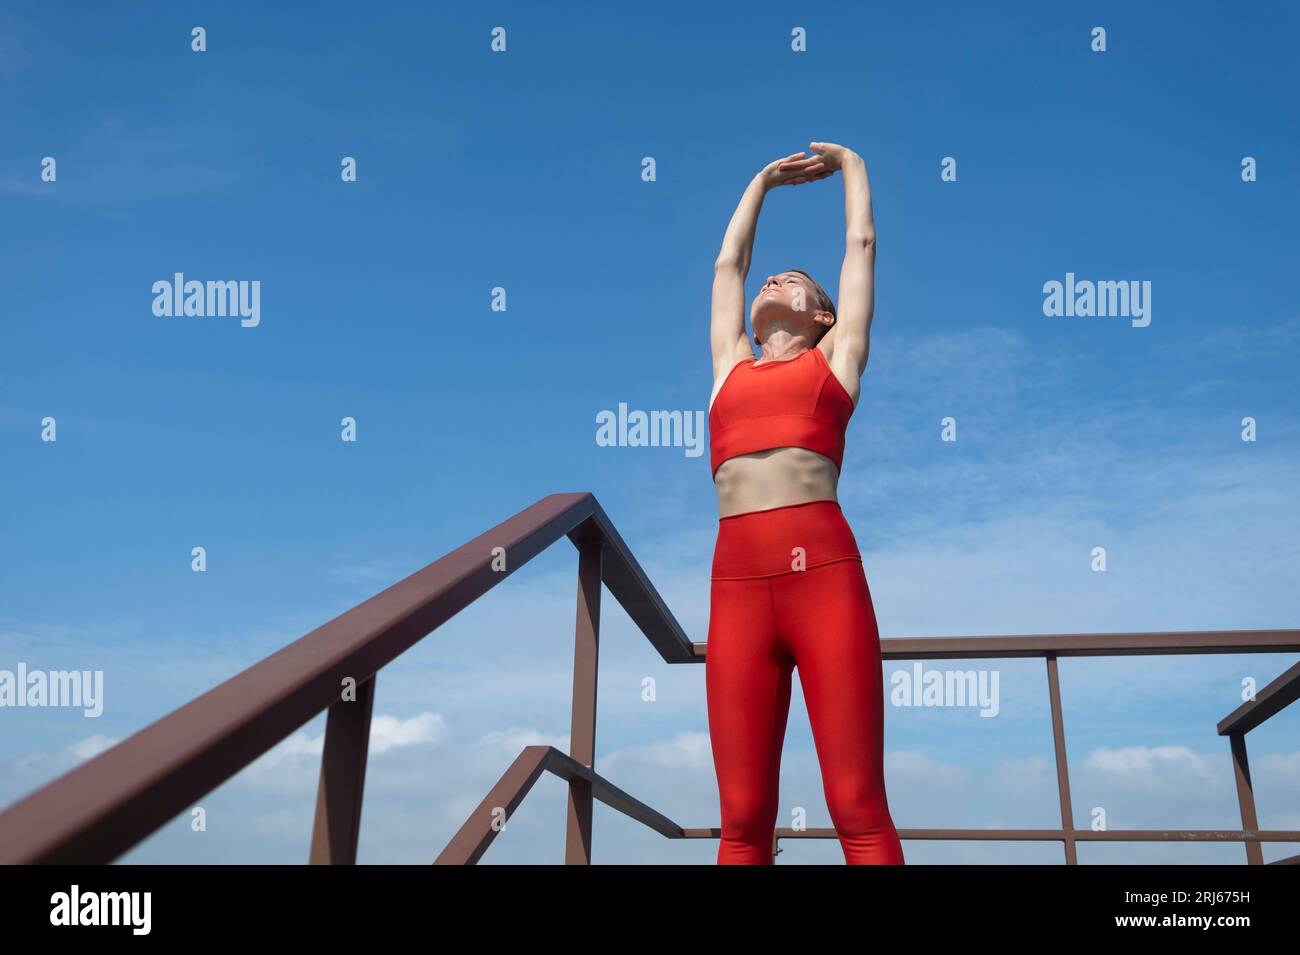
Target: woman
x,y
788,587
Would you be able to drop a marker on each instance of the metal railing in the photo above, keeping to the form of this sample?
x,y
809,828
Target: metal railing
x,y
105,806
483,825
110,803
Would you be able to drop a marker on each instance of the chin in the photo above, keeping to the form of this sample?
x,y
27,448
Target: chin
x,y
762,310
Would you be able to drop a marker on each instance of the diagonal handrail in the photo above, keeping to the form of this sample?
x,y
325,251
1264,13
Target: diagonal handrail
x,y
97,811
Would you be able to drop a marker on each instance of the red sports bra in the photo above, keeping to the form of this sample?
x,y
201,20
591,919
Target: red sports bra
x,y
796,402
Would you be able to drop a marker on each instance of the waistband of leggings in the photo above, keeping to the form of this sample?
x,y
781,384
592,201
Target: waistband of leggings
x,y
769,513
782,540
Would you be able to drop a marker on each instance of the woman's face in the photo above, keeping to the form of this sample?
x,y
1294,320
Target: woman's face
x,y
787,300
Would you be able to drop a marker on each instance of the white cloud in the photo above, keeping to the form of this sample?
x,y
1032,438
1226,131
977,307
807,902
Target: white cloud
x,y
690,750
1284,766
93,746
512,740
389,732
1151,767
905,769
1274,339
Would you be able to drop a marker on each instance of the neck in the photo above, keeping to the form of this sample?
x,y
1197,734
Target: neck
x,y
781,345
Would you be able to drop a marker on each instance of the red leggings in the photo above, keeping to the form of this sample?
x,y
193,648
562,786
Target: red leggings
x,y
789,590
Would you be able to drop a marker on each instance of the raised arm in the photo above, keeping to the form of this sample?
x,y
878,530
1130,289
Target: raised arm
x,y
848,339
858,273
727,335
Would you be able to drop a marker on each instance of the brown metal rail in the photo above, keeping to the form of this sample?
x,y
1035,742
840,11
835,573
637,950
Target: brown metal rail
x,y
1272,700
104,807
487,820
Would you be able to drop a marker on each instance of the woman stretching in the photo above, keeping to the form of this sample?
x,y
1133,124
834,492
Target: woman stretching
x,y
788,587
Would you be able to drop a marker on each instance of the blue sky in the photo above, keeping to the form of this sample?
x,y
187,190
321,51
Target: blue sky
x,y
522,170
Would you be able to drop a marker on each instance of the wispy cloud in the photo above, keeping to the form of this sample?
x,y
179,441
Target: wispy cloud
x,y
1253,339
387,733
382,573
93,746
1145,767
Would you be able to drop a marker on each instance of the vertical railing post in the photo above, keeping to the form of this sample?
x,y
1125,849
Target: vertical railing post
x,y
342,779
1062,767
582,732
1245,796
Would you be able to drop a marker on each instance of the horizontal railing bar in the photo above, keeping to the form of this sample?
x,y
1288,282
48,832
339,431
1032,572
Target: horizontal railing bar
x,y
478,832
1042,835
1277,696
1083,645
474,837
1058,835
108,804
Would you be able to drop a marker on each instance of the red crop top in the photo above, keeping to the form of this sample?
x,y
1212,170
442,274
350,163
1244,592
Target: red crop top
x,y
795,402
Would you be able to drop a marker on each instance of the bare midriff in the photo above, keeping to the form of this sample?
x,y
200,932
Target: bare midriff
x,y
774,478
